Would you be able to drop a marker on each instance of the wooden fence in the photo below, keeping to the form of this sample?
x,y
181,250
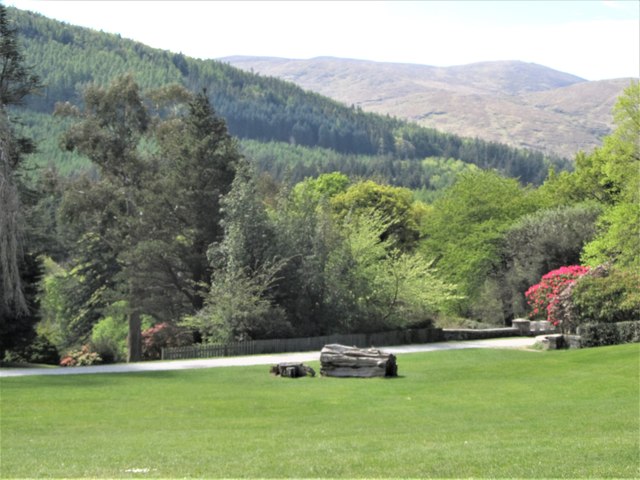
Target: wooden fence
x,y
285,345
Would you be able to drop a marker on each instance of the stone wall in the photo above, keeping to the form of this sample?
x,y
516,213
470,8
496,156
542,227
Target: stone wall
x,y
558,341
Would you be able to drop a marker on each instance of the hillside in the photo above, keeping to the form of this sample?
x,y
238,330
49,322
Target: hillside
x,y
256,107
521,104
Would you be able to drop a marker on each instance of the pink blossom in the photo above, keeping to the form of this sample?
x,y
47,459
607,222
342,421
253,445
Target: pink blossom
x,y
544,295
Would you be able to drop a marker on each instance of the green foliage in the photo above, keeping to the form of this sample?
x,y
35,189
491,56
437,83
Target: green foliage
x,y
144,227
325,186
443,172
196,166
537,243
246,243
38,351
611,176
619,236
464,229
12,300
306,234
609,299
602,334
108,213
240,304
376,286
617,166
239,308
394,204
309,268
109,335
56,289
295,163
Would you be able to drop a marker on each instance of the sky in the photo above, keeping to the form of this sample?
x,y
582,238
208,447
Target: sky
x,y
593,39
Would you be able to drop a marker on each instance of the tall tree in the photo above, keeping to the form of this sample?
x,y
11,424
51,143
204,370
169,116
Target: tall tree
x,y
464,230
198,159
151,217
610,175
108,131
18,267
618,163
240,304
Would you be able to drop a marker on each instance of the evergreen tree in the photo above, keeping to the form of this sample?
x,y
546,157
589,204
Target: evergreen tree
x,y
145,226
198,159
240,305
19,268
17,80
108,131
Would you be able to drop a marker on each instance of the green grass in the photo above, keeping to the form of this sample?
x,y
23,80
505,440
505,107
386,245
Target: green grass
x,y
468,413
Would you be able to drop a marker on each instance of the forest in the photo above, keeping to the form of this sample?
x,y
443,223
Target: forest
x,y
258,108
185,222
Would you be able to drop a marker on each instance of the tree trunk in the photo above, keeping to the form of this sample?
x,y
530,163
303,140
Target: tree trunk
x,y
134,338
342,361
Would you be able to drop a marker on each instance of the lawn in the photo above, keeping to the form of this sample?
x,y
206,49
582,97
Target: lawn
x,y
465,413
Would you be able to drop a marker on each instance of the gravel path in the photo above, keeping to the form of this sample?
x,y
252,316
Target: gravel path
x,y
514,342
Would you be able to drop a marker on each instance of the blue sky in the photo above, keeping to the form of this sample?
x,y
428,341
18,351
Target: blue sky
x,y
594,39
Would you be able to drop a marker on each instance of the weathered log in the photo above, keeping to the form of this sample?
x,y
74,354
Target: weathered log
x,y
342,361
292,370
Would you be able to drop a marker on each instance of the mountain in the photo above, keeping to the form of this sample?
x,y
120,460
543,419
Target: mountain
x,y
255,107
521,104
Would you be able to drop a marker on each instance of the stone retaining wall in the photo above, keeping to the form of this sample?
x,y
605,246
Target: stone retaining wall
x,y
558,341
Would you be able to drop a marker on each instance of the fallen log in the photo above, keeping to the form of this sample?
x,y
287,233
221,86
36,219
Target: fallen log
x,y
292,370
342,361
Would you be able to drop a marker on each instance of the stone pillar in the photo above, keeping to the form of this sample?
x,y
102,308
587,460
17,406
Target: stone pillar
x,y
523,325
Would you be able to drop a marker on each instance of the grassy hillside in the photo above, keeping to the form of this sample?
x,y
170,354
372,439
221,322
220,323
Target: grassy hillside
x,y
255,107
471,413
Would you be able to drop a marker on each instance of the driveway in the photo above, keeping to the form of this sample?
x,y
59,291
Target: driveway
x,y
513,342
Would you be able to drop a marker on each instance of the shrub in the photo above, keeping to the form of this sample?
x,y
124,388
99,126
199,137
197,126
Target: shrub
x,y
109,338
544,296
536,244
41,350
609,299
161,336
239,307
601,334
81,357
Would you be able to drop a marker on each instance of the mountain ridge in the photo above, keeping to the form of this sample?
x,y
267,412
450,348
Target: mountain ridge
x,y
522,104
255,107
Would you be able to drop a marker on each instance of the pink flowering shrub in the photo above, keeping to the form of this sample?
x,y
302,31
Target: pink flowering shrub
x,y
81,357
543,297
161,336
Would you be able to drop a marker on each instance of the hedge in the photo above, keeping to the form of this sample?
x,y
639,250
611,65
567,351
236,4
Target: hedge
x,y
600,334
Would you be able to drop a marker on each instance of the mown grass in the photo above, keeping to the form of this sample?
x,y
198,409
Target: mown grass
x,y
468,413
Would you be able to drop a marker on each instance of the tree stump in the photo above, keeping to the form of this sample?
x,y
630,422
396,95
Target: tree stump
x,y
292,370
342,361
